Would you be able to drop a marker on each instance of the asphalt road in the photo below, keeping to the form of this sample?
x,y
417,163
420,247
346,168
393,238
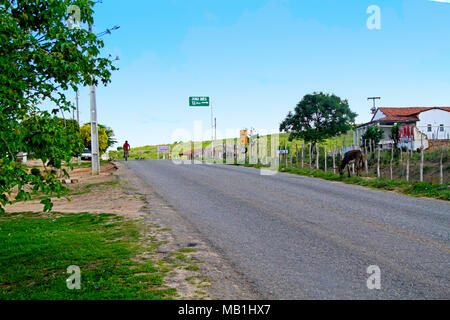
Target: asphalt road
x,y
297,237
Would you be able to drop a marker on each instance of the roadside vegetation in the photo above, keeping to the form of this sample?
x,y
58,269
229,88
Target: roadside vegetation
x,y
37,249
413,188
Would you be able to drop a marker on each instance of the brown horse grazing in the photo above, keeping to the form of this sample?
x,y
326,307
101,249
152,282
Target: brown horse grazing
x,y
353,155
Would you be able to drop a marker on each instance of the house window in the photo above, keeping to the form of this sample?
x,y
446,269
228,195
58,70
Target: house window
x,y
429,128
441,127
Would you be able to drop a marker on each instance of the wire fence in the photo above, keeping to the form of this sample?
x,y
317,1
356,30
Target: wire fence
x,y
430,165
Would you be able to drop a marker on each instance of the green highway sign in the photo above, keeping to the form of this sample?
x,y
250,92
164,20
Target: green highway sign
x,y
198,101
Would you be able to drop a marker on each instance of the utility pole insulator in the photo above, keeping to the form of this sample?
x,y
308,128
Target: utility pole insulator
x,y
374,108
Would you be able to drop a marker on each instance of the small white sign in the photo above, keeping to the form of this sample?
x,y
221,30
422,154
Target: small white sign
x,y
163,149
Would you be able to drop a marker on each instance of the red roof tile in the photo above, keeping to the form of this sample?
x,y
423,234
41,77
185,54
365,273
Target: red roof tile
x,y
406,114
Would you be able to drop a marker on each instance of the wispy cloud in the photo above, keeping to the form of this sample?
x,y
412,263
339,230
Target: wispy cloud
x,y
443,1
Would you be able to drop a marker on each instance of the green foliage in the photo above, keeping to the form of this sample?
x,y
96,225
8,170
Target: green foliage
x,y
102,137
110,134
51,139
318,117
40,59
395,130
374,134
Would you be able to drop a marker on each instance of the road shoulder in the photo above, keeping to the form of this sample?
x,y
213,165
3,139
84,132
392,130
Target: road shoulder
x,y
215,277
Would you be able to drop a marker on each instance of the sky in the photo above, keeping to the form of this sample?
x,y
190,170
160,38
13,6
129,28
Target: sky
x,y
256,59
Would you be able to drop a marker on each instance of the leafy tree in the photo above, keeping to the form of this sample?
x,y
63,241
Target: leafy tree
x,y
40,59
374,134
60,139
102,137
317,117
111,137
395,130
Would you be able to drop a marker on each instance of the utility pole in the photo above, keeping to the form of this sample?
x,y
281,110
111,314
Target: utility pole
x,y
212,131
94,130
374,109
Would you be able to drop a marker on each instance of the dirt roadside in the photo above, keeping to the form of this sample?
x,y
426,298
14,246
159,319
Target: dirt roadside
x,y
118,190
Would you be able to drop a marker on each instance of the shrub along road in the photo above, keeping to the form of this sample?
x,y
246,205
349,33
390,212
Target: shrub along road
x,y
297,237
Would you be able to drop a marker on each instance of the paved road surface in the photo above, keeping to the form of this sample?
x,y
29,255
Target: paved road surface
x,y
297,237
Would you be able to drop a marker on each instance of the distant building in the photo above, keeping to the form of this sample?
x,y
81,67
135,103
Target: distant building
x,y
417,125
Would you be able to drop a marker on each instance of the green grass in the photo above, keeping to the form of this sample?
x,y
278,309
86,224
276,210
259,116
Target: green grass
x,y
414,188
37,250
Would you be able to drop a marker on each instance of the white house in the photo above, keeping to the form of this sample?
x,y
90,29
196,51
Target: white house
x,y
421,124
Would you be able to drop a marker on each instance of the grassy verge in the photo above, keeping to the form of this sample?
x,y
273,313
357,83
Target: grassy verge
x,y
413,188
36,251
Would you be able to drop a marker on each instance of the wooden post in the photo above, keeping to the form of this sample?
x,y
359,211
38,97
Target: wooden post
x,y
285,155
235,152
291,152
421,164
390,162
407,166
296,154
310,150
378,163
334,160
401,160
325,152
317,156
441,172
366,161
303,147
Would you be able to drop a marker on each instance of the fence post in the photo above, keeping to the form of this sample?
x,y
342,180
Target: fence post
x,y
317,156
296,154
407,165
378,163
441,172
390,162
334,159
325,152
366,161
257,149
303,147
310,150
421,164
290,156
234,152
401,161
285,155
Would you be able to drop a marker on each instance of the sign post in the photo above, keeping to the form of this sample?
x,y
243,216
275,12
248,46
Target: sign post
x,y
163,150
204,102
